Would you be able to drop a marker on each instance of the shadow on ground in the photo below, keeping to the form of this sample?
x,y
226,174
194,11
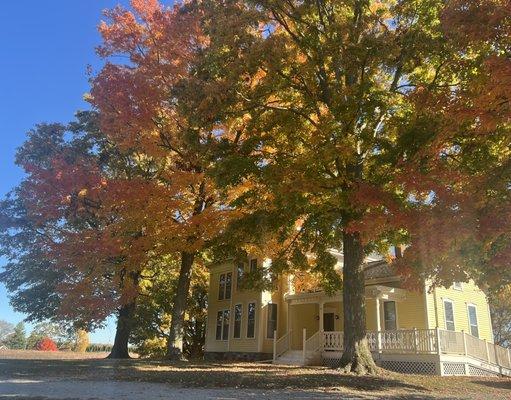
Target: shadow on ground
x,y
202,375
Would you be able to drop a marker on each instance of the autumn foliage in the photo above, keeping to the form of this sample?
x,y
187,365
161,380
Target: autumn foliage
x,y
284,129
46,344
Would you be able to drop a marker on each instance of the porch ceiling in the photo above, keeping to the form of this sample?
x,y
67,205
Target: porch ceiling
x,y
371,292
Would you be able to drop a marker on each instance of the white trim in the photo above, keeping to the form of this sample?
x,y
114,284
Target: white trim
x,y
446,300
222,310
460,288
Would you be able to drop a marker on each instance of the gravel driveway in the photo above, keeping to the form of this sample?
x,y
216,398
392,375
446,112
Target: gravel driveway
x,y
88,390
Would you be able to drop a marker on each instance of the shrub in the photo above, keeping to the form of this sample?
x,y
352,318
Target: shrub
x,y
46,344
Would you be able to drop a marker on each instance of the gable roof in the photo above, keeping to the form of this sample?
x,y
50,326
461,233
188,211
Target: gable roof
x,y
379,269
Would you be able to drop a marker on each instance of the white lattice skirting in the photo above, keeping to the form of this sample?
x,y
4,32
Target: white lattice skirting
x,y
410,367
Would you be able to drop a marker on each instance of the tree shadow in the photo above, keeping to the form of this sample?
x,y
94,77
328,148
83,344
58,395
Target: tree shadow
x,y
504,383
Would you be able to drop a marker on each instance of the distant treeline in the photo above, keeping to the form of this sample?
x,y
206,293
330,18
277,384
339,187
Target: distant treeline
x,y
98,348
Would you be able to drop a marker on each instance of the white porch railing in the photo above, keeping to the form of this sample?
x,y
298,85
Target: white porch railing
x,y
280,346
333,341
426,341
414,341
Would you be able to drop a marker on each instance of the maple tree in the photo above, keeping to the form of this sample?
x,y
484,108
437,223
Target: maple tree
x,y
372,123
67,259
143,106
46,344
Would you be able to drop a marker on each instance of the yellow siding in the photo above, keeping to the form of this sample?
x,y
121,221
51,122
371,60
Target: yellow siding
x,y
371,324
303,316
243,297
411,312
470,294
415,310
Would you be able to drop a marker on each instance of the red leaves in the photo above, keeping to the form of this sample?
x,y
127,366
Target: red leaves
x,y
46,344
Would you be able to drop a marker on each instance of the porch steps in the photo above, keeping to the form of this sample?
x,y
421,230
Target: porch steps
x,y
295,357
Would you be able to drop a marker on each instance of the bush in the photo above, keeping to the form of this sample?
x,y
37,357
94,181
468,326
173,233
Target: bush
x,y
46,344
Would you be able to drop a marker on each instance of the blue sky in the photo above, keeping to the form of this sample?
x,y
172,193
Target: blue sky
x,y
46,47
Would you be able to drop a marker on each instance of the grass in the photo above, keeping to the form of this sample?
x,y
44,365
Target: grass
x,y
33,365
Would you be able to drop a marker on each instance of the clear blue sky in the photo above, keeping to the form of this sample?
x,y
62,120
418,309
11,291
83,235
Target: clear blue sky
x,y
46,47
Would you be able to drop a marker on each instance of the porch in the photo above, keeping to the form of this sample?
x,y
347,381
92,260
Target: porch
x,y
420,351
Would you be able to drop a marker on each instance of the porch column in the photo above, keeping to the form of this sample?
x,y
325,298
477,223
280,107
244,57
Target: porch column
x,y
378,323
378,318
321,324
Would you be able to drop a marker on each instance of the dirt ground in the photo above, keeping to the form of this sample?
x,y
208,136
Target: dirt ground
x,y
38,375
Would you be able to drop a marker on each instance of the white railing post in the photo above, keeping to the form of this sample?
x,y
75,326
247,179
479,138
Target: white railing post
x,y
378,344
415,341
487,351
304,340
274,345
438,344
509,357
464,343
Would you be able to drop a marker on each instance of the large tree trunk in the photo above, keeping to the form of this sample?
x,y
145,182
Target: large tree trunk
x,y
123,331
357,357
176,334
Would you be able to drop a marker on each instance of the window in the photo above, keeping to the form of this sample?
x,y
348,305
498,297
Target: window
x,y
219,323
228,285
457,286
238,311
472,320
222,325
271,322
251,315
221,287
224,286
389,315
253,265
449,315
225,329
240,271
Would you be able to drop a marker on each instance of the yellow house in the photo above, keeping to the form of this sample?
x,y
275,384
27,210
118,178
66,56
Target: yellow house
x,y
445,331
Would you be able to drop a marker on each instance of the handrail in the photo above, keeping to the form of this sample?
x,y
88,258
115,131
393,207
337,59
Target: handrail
x,y
281,345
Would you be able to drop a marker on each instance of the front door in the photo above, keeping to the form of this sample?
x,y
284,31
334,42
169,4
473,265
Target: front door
x,y
328,322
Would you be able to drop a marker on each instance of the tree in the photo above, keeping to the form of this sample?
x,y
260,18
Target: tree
x,y
500,308
154,310
368,124
6,329
81,341
17,340
46,344
143,105
66,263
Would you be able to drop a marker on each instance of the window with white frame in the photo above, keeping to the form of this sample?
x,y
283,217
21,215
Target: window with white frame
x,y
240,272
457,286
390,315
472,320
238,314
271,320
222,325
449,315
251,317
224,286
